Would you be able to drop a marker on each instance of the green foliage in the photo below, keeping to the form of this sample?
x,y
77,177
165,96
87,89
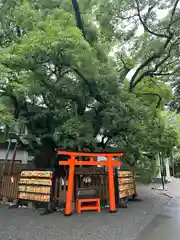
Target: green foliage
x,y
146,170
177,174
66,85
5,115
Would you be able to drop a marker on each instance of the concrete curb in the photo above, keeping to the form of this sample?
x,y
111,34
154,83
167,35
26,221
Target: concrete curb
x,y
168,195
163,192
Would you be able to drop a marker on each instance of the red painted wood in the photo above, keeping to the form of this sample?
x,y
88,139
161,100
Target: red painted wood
x,y
80,208
89,163
86,154
72,162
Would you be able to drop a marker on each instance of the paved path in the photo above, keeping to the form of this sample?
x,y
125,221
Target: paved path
x,y
172,189
164,226
126,224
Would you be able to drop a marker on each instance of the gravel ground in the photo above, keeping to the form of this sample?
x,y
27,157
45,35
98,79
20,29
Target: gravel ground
x,y
126,224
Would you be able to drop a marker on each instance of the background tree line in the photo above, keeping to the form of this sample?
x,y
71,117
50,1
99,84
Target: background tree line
x,y
91,76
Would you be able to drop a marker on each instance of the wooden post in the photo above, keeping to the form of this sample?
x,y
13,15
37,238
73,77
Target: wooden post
x,y
6,157
112,203
116,188
72,162
15,150
69,196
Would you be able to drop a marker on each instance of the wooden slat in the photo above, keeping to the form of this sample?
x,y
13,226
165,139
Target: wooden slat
x,y
126,193
126,187
126,184
60,191
9,188
125,180
124,174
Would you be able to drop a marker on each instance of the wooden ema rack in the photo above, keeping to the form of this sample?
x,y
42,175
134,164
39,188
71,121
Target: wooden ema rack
x,y
35,186
126,184
73,161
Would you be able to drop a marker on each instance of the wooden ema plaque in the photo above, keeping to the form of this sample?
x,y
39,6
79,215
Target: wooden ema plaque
x,y
35,186
126,184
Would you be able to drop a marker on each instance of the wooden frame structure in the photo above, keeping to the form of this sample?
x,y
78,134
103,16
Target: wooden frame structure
x,y
96,207
73,161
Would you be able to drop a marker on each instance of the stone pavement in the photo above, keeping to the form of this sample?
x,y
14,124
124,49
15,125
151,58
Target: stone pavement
x,y
126,224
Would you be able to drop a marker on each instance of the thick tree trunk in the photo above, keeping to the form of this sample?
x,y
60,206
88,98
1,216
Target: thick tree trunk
x,y
15,150
79,22
45,159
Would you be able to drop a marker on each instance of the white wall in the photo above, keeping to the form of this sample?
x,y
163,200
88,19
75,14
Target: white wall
x,y
158,167
167,166
21,155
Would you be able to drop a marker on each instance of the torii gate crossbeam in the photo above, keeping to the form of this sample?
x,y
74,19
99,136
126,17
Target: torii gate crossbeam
x,y
72,162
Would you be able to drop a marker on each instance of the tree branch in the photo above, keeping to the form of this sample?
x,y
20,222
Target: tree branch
x,y
92,92
131,149
146,28
149,60
128,18
157,95
149,11
14,101
49,105
124,70
163,73
149,72
98,122
4,3
168,64
79,22
175,20
172,14
168,37
66,95
133,83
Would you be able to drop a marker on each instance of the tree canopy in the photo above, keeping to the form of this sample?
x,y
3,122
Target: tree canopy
x,y
90,75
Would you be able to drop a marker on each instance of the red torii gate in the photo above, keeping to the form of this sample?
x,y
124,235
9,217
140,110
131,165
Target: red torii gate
x,y
72,162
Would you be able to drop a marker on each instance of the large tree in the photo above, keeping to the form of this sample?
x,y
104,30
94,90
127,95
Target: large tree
x,y
59,79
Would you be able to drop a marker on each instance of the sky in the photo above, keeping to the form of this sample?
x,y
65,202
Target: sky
x,y
161,13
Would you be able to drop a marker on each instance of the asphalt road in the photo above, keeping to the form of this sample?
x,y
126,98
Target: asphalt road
x,y
165,226
126,224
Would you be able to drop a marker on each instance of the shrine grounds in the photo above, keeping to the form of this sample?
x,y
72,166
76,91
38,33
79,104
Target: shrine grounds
x,y
126,224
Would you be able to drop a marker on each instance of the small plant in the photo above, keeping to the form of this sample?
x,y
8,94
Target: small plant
x,y
177,174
